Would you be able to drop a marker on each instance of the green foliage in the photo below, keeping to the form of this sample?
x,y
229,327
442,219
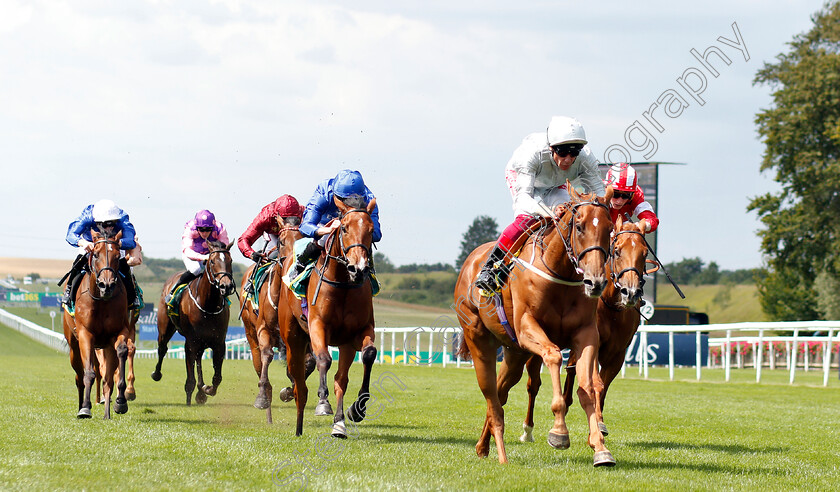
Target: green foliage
x,y
801,134
425,268
383,264
695,271
425,288
483,229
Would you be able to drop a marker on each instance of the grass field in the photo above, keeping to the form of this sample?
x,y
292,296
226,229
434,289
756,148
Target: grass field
x,y
665,435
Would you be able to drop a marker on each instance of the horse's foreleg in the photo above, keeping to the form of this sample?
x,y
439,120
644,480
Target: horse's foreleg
x,y
190,360
265,353
87,355
323,361
108,361
588,380
296,360
121,403
533,367
200,395
166,328
130,392
345,358
357,411
218,358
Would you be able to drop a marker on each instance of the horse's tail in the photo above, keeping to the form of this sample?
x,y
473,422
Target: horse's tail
x,y
464,349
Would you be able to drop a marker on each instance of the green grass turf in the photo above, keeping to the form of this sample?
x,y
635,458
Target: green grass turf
x,y
665,435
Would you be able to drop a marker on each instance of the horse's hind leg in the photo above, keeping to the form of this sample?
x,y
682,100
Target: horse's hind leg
x,y
296,355
265,351
190,357
130,392
533,366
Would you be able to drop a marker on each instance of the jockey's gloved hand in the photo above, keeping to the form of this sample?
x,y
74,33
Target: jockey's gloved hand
x,y
256,257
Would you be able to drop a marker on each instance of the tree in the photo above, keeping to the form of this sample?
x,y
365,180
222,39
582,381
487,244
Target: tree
x,y
684,271
801,134
483,229
383,264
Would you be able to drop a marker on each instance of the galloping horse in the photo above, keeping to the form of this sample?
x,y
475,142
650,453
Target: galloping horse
x,y
618,319
261,328
340,314
203,320
550,305
101,321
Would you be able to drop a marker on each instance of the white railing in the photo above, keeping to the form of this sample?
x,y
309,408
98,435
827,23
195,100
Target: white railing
x,y
428,346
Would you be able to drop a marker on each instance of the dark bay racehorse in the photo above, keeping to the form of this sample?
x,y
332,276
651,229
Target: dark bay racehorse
x,y
101,321
550,303
340,314
618,318
203,320
262,328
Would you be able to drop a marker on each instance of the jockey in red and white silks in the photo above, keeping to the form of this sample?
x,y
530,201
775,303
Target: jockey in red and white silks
x,y
628,199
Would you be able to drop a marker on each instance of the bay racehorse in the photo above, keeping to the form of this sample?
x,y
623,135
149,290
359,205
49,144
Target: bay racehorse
x,y
261,326
340,313
101,321
549,303
130,392
202,320
618,318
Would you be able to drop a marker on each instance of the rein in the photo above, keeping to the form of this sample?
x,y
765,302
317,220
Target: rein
x,y
215,282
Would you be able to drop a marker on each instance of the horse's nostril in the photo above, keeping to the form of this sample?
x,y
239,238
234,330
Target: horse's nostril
x,y
587,281
624,291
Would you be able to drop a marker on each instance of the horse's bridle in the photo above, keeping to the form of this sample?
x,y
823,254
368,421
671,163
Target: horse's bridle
x,y
94,271
569,244
616,276
215,281
340,235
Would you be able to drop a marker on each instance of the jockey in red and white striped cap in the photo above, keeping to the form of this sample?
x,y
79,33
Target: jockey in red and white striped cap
x,y
628,199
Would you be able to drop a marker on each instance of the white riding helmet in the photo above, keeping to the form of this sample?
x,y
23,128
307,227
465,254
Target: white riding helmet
x,y
565,130
105,210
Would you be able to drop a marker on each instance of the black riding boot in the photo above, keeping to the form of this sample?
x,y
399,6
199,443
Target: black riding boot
x,y
493,267
73,278
185,278
309,254
130,287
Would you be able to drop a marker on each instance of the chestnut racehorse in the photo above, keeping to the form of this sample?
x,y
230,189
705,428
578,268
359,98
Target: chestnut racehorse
x,y
261,328
203,320
340,314
550,303
618,318
100,321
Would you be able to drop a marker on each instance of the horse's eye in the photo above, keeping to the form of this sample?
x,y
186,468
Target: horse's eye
x,y
579,228
344,228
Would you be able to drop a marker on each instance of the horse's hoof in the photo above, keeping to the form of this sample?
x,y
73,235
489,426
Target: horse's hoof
x,y
209,390
604,458
200,397
527,433
262,403
287,394
157,375
603,428
120,407
130,395
339,430
323,408
356,412
558,441
102,401
84,413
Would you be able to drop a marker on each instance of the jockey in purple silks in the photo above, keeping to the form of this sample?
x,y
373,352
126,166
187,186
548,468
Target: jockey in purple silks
x,y
195,245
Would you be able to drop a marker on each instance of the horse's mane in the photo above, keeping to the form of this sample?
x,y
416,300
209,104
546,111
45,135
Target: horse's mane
x,y
354,201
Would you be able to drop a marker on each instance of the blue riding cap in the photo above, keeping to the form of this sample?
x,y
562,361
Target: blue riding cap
x,y
348,183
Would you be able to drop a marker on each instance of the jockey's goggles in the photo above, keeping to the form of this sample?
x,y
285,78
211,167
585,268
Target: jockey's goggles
x,y
108,224
204,229
626,195
567,149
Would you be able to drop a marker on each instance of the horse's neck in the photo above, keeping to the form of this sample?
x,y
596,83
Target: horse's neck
x,y
333,271
204,290
553,251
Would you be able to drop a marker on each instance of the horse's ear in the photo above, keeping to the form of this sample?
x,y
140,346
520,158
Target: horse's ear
x,y
95,235
342,207
572,191
619,222
608,194
230,244
371,205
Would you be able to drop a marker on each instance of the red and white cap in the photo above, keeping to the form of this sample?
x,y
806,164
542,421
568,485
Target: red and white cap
x,y
622,177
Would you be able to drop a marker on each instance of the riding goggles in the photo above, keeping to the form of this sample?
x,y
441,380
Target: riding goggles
x,y
623,194
564,150
204,229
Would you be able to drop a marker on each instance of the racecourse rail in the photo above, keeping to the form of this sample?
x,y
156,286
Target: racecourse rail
x,y
406,345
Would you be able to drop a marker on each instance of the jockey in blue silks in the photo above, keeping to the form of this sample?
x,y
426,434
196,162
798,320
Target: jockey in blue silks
x,y
321,216
108,219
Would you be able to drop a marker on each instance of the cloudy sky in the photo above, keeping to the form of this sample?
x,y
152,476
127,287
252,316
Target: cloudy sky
x,y
168,107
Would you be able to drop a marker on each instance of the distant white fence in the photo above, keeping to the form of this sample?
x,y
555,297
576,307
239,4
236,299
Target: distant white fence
x,y
429,346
